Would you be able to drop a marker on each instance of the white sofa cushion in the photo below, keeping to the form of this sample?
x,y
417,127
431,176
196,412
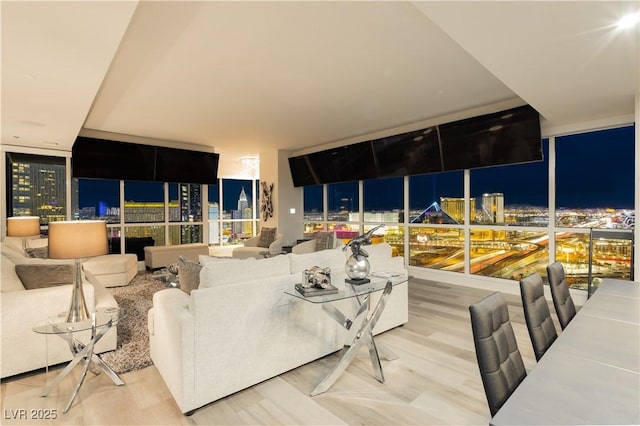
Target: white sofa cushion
x,y
221,273
333,258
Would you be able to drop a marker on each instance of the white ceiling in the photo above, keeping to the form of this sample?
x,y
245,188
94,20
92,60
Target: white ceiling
x,y
242,78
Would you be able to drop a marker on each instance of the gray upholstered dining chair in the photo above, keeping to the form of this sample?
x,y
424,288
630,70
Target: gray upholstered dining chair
x,y
499,359
562,301
536,313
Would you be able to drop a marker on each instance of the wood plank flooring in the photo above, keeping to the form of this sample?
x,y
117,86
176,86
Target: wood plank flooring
x,y
435,380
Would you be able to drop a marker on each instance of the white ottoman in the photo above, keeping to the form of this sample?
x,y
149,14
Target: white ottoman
x,y
113,270
160,256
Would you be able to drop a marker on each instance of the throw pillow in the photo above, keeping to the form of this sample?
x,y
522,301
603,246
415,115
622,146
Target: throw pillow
x,y
188,274
324,240
38,253
267,236
40,275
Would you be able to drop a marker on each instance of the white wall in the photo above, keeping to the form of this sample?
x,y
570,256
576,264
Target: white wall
x,y
274,168
290,202
269,175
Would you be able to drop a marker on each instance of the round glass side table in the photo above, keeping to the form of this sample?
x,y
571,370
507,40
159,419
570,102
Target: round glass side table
x,y
99,323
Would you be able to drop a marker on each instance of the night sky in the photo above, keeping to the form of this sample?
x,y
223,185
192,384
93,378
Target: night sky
x,y
594,169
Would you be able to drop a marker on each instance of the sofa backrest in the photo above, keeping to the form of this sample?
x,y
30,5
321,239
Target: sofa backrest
x,y
331,258
220,273
378,252
11,247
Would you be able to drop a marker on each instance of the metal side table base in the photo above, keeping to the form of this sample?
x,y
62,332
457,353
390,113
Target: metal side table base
x,y
363,336
84,354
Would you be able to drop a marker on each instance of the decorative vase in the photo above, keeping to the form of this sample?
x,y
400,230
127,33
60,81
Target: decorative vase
x,y
357,267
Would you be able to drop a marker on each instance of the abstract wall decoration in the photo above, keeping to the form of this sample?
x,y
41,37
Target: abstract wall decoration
x,y
266,201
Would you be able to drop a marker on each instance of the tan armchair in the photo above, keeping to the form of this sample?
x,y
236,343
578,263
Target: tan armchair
x,y
251,249
313,245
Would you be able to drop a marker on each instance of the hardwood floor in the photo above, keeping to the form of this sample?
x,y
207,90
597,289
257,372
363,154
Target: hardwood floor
x,y
435,380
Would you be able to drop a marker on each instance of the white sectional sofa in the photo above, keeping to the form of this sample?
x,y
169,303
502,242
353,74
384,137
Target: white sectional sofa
x,y
239,328
22,349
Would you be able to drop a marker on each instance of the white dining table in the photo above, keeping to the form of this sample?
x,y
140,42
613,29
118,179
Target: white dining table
x,y
591,373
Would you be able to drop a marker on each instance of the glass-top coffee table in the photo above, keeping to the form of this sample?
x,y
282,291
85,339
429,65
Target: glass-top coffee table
x,y
169,278
99,323
383,283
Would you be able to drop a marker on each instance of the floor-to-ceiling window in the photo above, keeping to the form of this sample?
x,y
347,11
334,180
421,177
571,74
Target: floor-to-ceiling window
x,y
383,203
313,208
506,236
98,199
144,206
343,211
176,217
509,238
436,221
595,190
512,220
238,212
213,214
185,213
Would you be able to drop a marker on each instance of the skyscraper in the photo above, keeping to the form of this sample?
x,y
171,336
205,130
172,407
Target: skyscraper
x,y
454,207
243,212
190,211
493,208
243,203
38,187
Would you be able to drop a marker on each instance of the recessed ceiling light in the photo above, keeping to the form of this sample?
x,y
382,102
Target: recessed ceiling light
x,y
629,20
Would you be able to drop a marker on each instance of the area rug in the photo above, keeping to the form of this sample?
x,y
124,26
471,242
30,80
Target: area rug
x,y
132,352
